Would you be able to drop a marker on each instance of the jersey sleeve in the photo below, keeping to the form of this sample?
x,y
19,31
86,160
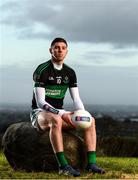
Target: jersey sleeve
x,y
38,78
73,79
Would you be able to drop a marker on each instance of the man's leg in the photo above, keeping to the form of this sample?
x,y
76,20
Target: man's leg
x,y
90,137
90,141
54,122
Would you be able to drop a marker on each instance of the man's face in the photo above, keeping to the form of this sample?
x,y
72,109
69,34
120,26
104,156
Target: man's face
x,y
59,51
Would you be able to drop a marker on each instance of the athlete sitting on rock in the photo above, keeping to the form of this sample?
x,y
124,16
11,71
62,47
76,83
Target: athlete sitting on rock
x,y
51,81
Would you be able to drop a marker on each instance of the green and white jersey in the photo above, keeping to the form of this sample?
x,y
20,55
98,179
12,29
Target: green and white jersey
x,y
56,82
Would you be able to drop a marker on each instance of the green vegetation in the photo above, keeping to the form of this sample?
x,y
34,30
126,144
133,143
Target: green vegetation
x,y
115,168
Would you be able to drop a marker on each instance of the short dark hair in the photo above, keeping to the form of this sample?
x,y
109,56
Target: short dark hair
x,y
58,39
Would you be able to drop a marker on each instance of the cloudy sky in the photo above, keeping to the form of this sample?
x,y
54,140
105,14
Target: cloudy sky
x,y
103,47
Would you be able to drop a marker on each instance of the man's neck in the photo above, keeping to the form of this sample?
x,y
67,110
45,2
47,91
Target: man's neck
x,y
57,65
58,62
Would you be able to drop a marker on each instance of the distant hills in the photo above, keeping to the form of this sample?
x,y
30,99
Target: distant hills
x,y
113,124
116,111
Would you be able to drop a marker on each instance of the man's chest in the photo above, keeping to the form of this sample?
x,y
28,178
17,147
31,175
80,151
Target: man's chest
x,y
57,78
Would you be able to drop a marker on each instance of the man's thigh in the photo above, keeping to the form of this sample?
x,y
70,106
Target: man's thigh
x,y
43,120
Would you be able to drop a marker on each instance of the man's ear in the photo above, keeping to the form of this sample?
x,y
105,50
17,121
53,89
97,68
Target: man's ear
x,y
51,50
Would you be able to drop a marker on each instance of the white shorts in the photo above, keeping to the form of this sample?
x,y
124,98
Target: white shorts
x,y
34,117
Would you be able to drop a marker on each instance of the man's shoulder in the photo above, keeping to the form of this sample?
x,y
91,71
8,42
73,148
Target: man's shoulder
x,y
66,67
42,66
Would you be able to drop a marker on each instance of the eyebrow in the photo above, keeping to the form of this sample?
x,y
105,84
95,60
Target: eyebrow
x,y
61,46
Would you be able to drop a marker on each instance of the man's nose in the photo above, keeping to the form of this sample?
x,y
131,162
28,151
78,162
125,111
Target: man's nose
x,y
60,49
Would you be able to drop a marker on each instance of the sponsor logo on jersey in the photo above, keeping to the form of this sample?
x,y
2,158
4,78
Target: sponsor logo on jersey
x,y
51,78
53,92
58,77
66,80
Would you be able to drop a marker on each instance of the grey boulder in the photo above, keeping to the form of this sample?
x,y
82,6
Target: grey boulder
x,y
27,149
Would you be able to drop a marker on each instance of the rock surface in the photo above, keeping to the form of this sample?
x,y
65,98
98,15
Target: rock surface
x,y
27,149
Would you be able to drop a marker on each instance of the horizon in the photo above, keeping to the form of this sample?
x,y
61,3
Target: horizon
x,y
68,105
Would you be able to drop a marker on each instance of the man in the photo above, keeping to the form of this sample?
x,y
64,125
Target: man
x,y
51,80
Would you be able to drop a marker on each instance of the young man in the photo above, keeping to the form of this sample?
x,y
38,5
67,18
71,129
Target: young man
x,y
51,80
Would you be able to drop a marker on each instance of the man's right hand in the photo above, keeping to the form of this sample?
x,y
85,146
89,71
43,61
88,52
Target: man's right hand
x,y
67,118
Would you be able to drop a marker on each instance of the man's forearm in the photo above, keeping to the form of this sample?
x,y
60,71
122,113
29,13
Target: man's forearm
x,y
41,103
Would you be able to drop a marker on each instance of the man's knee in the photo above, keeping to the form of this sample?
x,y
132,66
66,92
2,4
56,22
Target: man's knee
x,y
93,120
43,122
49,120
93,123
56,121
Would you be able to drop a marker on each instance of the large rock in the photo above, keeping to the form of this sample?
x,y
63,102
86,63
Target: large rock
x,y
26,148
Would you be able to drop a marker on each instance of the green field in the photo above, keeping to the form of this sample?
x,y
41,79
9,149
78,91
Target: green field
x,y
115,168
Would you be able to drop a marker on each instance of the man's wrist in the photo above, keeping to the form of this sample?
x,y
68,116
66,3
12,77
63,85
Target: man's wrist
x,y
61,112
50,109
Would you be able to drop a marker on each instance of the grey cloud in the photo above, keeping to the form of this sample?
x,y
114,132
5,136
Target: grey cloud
x,y
10,5
99,57
94,21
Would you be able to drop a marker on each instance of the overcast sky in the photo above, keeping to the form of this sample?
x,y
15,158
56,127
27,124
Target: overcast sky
x,y
103,47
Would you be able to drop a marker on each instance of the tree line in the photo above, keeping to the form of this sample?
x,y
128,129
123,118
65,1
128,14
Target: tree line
x,y
114,138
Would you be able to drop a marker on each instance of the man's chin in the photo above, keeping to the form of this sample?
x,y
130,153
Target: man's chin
x,y
58,60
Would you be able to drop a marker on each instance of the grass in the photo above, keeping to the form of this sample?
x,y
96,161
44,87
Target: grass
x,y
116,168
